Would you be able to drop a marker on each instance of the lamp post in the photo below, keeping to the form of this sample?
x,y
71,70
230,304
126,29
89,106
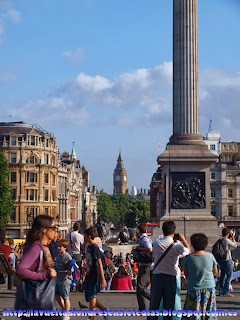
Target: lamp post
x,y
184,224
29,218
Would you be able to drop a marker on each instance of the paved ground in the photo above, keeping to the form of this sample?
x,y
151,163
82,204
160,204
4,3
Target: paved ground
x,y
117,300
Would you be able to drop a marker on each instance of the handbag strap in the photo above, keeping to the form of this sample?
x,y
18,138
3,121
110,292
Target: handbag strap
x,y
163,255
40,260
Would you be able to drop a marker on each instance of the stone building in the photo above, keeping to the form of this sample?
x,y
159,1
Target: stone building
x,y
230,151
156,189
33,173
225,192
76,201
43,184
120,177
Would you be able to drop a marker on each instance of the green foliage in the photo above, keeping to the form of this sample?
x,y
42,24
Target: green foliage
x,y
6,200
120,208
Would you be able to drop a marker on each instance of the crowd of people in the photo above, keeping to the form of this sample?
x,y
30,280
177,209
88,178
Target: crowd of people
x,y
47,257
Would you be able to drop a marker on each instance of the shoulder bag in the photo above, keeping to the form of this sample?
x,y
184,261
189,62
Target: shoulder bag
x,y
36,294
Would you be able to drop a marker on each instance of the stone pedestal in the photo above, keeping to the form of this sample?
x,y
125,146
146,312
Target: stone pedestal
x,y
186,196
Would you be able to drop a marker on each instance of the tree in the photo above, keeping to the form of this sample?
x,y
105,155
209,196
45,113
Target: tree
x,y
6,200
120,208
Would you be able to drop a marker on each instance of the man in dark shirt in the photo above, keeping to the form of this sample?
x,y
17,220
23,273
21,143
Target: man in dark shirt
x,y
95,274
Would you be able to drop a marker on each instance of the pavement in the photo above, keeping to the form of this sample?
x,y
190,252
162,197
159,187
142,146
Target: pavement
x,y
121,300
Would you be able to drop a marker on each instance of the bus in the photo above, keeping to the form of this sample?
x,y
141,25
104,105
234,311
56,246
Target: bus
x,y
150,227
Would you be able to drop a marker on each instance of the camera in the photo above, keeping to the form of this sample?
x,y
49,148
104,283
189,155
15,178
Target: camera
x,y
176,237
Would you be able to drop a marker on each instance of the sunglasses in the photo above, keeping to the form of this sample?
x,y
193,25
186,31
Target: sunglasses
x,y
55,228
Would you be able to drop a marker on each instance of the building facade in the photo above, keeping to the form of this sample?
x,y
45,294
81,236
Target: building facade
x,y
212,140
41,183
120,177
33,173
225,192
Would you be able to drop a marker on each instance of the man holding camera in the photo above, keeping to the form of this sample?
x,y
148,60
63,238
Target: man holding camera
x,y
228,244
163,283
143,279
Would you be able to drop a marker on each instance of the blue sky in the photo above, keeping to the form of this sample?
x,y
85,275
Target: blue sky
x,y
99,73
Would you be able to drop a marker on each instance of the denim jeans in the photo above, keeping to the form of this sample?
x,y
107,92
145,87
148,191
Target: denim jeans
x,y
163,286
226,276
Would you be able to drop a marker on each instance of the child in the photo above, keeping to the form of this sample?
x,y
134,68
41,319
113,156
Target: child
x,y
95,275
64,278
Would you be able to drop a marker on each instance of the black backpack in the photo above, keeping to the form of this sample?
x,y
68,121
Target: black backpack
x,y
218,251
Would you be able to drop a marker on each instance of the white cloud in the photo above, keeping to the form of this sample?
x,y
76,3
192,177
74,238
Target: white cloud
x,y
7,14
76,57
13,16
52,110
142,97
7,77
94,85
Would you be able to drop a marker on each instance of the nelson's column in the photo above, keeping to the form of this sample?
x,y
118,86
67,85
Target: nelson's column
x,y
186,161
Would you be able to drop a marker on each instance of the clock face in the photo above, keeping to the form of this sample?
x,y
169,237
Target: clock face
x,y
117,178
125,178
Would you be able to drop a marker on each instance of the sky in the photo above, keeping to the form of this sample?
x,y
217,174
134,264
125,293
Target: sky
x,y
99,73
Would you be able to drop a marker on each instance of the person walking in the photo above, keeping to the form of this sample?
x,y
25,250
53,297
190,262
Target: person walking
x,y
200,267
229,244
76,244
64,276
37,264
143,279
163,282
111,270
95,274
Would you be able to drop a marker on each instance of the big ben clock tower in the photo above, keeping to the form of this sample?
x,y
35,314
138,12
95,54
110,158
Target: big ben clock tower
x,y
120,177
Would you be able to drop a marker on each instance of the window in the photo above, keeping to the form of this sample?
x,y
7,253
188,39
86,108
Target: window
x,y
46,210
46,143
53,195
46,195
224,147
213,193
13,176
32,141
213,175
13,215
14,192
31,160
212,147
13,157
14,140
46,158
213,210
229,147
31,177
234,147
230,211
230,193
53,179
31,194
46,177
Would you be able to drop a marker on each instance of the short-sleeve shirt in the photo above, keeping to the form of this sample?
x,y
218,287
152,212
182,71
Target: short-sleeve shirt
x,y
93,271
200,271
75,240
169,264
145,242
62,268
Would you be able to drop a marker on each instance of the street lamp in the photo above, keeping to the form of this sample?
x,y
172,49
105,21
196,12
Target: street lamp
x,y
184,224
29,218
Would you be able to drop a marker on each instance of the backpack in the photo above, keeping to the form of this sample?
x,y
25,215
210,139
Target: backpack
x,y
103,258
76,271
218,251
